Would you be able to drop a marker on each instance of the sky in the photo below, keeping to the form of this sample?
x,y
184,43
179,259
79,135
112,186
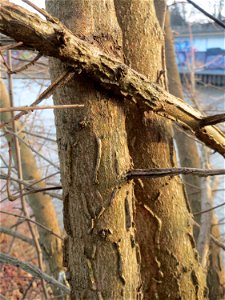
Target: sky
x,y
192,12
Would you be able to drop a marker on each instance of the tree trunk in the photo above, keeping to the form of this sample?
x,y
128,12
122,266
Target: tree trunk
x,y
215,274
100,250
40,203
169,264
189,157
187,148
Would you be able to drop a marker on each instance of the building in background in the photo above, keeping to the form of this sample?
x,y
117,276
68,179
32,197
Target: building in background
x,y
200,49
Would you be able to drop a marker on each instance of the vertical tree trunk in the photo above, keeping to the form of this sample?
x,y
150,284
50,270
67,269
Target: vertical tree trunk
x,y
215,274
187,148
189,157
100,250
169,265
40,203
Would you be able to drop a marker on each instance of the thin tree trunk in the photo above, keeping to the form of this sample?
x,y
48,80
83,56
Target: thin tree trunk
x,y
100,250
189,157
187,147
215,274
40,203
169,266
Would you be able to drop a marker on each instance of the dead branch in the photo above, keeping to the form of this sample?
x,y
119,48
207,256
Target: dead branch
x,y
54,39
32,108
154,173
33,270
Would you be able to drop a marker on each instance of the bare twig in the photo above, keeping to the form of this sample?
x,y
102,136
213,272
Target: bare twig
x,y
32,108
60,81
41,11
17,235
215,240
32,221
27,65
10,196
5,62
37,190
33,270
153,173
208,210
217,21
11,46
29,146
27,289
27,185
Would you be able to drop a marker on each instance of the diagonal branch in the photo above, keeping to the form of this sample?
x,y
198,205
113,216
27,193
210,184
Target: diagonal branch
x,y
217,21
15,234
33,270
54,39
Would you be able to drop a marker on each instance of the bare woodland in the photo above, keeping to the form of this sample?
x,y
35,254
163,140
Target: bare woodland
x,y
138,213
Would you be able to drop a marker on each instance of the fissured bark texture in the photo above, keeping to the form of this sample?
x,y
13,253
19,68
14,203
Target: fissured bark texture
x,y
100,248
169,261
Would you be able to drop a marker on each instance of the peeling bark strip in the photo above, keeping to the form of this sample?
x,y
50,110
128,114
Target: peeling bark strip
x,y
54,39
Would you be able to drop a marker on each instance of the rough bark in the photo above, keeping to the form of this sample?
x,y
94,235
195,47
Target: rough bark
x,y
169,262
40,203
53,39
100,250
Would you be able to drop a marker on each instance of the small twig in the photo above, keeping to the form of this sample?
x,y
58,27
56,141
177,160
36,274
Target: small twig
x,y
217,21
25,183
153,173
8,180
33,270
34,191
11,46
212,120
41,11
32,108
27,65
17,235
60,81
215,240
5,62
29,146
32,221
27,289
207,210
